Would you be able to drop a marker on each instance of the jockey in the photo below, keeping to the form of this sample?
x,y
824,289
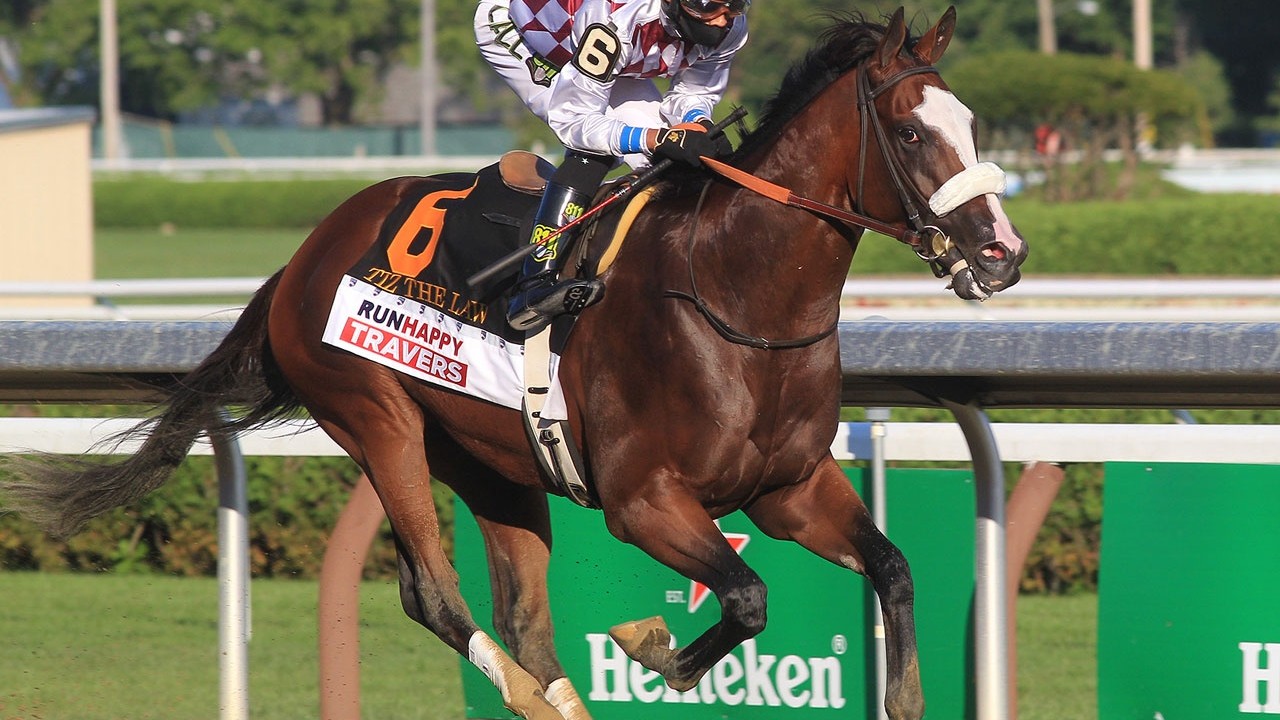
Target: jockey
x,y
586,68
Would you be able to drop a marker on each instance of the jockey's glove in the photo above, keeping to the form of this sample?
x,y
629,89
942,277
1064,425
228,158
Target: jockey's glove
x,y
723,147
686,145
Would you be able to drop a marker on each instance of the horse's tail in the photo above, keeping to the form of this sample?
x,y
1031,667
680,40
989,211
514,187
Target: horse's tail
x,y
61,494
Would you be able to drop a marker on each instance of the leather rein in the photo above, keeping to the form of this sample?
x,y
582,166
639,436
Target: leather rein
x,y
913,236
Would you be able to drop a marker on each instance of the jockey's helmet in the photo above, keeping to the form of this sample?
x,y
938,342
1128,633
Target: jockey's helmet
x,y
691,18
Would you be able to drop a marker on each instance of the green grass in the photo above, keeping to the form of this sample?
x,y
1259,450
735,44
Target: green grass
x,y
192,253
1057,657
105,647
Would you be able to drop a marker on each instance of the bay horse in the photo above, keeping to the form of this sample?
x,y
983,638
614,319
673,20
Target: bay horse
x,y
681,418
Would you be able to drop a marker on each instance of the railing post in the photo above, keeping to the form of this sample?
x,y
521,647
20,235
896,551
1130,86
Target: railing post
x,y
233,575
880,512
991,631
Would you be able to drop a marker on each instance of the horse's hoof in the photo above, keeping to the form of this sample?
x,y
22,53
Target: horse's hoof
x,y
647,641
904,698
535,707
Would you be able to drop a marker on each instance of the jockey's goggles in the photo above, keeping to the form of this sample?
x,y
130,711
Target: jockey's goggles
x,y
706,10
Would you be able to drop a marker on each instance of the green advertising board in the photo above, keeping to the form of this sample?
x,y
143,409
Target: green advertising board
x,y
815,658
1189,593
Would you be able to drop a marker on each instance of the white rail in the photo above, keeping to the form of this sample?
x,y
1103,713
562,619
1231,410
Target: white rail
x,y
1018,442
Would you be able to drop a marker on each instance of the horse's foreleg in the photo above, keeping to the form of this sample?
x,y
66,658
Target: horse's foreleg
x,y
825,515
678,532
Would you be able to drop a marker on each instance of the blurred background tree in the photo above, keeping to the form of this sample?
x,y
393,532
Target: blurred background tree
x,y
182,55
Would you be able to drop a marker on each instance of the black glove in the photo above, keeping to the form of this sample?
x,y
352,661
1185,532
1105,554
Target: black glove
x,y
723,147
685,146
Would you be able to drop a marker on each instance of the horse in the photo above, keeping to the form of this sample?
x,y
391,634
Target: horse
x,y
704,382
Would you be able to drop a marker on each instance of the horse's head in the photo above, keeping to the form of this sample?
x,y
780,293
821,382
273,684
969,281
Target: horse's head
x,y
926,138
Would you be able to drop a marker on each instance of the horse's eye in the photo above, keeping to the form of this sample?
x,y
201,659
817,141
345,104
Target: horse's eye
x,y
908,135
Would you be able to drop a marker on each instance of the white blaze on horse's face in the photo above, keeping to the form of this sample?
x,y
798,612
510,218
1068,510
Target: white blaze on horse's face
x,y
944,112
953,122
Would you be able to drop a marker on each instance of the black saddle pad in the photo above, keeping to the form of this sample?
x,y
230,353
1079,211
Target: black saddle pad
x,y
446,230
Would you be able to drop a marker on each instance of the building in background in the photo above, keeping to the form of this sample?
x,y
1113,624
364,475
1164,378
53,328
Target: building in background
x,y
46,196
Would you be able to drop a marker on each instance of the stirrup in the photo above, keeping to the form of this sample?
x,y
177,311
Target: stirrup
x,y
532,309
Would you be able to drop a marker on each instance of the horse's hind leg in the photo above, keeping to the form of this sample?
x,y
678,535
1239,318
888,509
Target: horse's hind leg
x,y
390,448
825,515
516,526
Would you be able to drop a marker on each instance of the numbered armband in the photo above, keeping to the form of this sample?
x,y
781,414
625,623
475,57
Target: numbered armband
x,y
597,53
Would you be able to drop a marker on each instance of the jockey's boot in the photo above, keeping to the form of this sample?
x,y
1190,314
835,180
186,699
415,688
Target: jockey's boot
x,y
540,294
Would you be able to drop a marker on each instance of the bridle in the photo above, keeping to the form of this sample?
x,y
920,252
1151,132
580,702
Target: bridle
x,y
868,117
929,242
938,244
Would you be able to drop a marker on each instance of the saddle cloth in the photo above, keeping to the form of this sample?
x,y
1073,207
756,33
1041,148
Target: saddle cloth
x,y
406,305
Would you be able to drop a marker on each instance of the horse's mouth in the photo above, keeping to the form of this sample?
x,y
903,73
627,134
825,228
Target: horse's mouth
x,y
966,284
995,269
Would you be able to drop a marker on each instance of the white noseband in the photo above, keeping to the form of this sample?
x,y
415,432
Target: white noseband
x,y
975,180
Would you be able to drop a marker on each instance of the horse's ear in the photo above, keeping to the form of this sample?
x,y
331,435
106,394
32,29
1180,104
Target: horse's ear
x,y
931,46
894,36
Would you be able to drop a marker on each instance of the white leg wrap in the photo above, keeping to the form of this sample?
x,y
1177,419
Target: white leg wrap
x,y
564,697
487,655
973,181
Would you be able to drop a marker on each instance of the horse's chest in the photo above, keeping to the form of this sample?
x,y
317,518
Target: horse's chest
x,y
757,463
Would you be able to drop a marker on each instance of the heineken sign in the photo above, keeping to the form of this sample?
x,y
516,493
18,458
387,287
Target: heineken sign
x,y
814,660
1188,623
745,677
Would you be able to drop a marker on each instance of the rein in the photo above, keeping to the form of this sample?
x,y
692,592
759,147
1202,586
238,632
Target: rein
x,y
783,195
928,242
932,251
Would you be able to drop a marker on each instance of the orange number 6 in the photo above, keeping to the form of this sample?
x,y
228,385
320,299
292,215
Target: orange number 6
x,y
426,215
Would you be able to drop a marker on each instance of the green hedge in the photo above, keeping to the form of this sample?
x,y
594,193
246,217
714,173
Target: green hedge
x,y
149,202
294,503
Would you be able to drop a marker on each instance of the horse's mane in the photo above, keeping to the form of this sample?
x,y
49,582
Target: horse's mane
x,y
842,46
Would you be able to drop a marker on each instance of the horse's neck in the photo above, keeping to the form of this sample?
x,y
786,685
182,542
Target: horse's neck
x,y
801,254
